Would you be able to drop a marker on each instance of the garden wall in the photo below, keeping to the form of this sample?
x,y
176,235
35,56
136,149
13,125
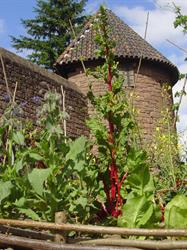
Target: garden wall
x,y
33,81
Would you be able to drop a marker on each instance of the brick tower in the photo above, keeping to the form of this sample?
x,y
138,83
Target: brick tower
x,y
154,73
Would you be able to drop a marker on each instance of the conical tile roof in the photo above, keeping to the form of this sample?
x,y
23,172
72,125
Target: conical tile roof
x,y
128,45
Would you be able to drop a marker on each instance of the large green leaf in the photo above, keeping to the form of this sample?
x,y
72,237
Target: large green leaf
x,y
29,213
19,165
176,212
20,202
37,178
36,156
82,201
136,212
79,165
139,178
135,158
5,189
18,138
76,147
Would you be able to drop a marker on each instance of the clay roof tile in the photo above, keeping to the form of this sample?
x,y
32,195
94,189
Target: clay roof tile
x,y
128,45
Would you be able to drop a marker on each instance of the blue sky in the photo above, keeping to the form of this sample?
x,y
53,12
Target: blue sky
x,y
12,11
133,12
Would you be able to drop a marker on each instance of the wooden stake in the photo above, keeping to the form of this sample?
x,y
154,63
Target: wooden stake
x,y
63,92
60,217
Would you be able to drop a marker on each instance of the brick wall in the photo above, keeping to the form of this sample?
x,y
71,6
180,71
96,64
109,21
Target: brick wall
x,y
33,82
148,101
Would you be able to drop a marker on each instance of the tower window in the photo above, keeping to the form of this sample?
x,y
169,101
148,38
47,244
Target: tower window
x,y
129,78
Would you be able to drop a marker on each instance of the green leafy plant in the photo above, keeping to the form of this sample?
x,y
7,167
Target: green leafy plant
x,y
165,139
168,154
43,172
130,191
120,161
175,212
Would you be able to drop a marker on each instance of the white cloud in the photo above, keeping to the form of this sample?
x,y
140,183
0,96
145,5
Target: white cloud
x,y
160,26
168,4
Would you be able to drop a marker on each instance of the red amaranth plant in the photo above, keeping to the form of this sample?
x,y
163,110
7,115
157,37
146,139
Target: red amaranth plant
x,y
112,123
115,184
128,187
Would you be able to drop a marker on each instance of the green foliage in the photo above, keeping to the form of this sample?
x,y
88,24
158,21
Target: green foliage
x,y
119,158
169,171
37,178
130,189
43,172
176,211
5,190
48,33
139,180
180,20
140,208
139,211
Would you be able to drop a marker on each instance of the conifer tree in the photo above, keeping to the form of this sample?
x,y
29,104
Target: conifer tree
x,y
49,32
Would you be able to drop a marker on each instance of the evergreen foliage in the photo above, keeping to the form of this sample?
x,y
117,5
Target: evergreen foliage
x,y
49,32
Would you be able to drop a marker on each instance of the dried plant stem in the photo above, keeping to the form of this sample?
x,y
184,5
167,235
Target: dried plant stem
x,y
94,229
4,159
10,126
5,77
75,37
180,100
11,99
14,94
172,165
64,110
81,59
136,79
141,57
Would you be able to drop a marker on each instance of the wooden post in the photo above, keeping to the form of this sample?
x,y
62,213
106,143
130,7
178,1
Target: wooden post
x,y
60,217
